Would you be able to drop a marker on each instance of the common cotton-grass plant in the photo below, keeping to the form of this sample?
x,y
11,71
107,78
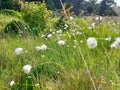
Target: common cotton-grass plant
x,y
18,51
91,42
70,65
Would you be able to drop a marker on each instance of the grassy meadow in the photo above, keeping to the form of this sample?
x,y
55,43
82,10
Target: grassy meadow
x,y
71,65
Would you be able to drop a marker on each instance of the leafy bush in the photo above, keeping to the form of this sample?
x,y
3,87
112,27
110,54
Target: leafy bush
x,y
15,28
36,16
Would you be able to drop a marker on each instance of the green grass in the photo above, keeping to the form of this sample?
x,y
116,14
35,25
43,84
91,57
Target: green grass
x,y
62,67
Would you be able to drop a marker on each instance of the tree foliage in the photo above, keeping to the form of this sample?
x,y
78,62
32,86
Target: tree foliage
x,y
80,7
10,4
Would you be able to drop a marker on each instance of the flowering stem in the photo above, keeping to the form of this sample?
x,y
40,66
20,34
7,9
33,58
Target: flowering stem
x,y
86,67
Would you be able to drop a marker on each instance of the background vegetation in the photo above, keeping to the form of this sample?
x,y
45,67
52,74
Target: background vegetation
x,y
72,65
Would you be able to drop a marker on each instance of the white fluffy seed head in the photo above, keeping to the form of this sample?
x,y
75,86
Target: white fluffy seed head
x,y
108,38
49,36
37,84
38,48
43,47
91,42
12,83
18,51
61,42
116,43
26,69
71,18
59,32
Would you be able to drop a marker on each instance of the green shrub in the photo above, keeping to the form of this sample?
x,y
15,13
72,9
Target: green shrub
x,y
15,28
36,16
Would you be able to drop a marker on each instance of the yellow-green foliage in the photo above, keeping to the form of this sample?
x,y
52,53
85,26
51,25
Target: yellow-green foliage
x,y
5,20
36,16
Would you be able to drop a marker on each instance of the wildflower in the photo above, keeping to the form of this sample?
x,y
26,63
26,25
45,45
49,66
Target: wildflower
x,y
92,26
18,51
99,18
71,18
43,35
61,42
26,69
74,46
59,31
116,43
43,56
49,36
29,76
38,48
43,47
12,83
37,84
53,32
91,42
26,51
108,38
75,41
78,33
66,26
81,41
73,30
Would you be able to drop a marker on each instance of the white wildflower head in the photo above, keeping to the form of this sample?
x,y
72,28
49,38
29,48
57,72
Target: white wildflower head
x,y
99,18
37,84
116,43
66,26
92,26
53,33
78,33
71,18
49,36
108,38
43,35
61,42
12,83
81,41
38,48
59,31
26,69
91,42
74,46
18,51
43,47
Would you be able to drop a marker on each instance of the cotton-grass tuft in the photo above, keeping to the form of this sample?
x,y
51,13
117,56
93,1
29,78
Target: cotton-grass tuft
x,y
91,42
18,51
26,69
116,43
12,83
41,48
61,42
